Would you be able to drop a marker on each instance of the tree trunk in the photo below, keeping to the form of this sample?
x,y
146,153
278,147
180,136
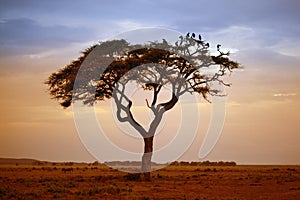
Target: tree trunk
x,y
146,160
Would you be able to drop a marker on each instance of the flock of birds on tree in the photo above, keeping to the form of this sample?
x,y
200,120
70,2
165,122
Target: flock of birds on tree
x,y
199,40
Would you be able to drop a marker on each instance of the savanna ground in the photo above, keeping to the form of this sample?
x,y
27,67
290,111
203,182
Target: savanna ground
x,y
173,182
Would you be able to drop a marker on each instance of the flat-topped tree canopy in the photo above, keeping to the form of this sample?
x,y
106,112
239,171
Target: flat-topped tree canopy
x,y
184,60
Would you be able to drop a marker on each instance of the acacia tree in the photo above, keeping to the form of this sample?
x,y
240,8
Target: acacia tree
x,y
185,66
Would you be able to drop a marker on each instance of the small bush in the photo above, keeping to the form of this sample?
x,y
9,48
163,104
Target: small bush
x,y
159,176
133,177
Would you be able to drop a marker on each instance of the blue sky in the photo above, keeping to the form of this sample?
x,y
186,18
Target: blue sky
x,y
265,33
258,29
37,25
39,37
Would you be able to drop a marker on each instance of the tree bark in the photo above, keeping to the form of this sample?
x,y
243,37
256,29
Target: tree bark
x,y
146,159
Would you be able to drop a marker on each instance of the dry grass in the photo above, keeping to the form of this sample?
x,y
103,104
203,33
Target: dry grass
x,y
174,182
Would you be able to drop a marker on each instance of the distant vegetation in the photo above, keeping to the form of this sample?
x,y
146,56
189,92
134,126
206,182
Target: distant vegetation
x,y
13,161
176,163
204,163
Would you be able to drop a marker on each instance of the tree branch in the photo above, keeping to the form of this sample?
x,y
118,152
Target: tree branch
x,y
127,109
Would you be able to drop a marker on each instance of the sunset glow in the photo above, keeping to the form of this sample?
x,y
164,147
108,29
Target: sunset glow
x,y
263,103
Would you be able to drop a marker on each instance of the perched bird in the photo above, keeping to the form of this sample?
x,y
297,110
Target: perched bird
x,y
188,35
207,45
165,42
218,46
193,35
200,38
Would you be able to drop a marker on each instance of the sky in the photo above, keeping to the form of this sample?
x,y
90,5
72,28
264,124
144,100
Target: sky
x,y
262,109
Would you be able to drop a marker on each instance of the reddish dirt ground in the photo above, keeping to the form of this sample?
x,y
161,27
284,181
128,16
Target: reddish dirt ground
x,y
173,182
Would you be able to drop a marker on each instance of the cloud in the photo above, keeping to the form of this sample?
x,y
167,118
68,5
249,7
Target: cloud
x,y
266,58
26,35
185,16
284,94
261,33
52,23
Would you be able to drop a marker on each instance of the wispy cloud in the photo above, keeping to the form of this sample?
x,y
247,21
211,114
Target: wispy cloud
x,y
23,35
284,94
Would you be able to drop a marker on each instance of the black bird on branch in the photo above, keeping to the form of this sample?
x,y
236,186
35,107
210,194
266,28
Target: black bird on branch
x,y
200,38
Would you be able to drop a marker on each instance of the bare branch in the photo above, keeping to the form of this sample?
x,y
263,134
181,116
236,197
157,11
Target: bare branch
x,y
127,110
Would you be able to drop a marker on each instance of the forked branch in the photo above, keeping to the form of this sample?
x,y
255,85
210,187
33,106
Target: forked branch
x,y
126,109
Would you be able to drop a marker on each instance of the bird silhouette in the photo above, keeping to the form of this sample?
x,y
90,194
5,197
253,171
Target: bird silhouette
x,y
207,45
193,35
200,38
165,42
218,46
